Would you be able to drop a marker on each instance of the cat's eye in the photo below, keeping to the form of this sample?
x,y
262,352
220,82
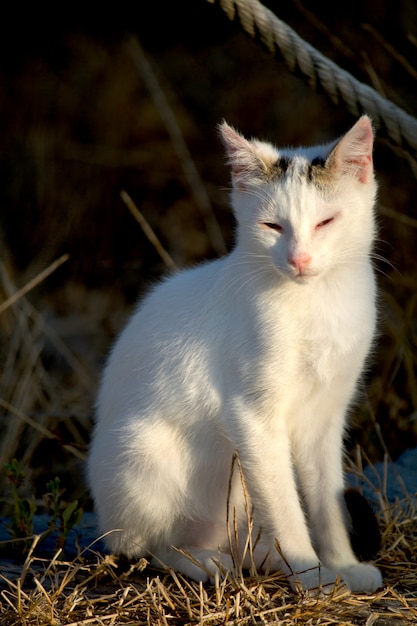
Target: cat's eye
x,y
325,222
273,226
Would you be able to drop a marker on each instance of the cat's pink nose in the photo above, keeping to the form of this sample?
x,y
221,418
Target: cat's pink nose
x,y
299,261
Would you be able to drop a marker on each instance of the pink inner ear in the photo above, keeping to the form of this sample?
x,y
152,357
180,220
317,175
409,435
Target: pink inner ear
x,y
363,167
354,150
233,141
240,153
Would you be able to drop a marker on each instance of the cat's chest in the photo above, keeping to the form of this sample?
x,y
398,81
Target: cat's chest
x,y
319,333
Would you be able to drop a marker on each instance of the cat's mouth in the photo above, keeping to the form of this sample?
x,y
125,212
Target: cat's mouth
x,y
304,276
298,276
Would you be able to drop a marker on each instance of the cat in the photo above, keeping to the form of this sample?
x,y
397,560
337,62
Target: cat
x,y
254,357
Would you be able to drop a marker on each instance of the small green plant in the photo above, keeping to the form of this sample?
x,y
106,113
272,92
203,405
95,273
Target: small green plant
x,y
63,516
21,520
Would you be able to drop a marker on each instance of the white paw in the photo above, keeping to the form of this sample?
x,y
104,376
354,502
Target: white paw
x,y
198,564
316,580
361,577
217,566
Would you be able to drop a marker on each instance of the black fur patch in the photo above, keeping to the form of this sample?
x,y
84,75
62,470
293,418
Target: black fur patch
x,y
281,166
315,169
365,535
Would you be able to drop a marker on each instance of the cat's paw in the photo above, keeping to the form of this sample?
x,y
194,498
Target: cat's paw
x,y
217,566
199,564
361,577
314,581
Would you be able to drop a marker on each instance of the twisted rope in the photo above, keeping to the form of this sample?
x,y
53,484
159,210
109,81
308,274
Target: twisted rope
x,y
338,84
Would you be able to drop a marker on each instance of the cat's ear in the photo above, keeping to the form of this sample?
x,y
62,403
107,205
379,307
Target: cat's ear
x,y
353,152
245,162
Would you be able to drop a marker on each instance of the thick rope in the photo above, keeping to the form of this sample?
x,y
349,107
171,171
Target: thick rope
x,y
338,84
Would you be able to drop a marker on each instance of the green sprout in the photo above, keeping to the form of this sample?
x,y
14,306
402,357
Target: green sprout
x,y
21,520
63,519
63,516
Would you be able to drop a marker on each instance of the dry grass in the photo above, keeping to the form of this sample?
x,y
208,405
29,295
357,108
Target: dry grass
x,y
97,589
45,389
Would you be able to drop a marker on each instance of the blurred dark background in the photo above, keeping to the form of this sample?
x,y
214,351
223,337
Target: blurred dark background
x,y
79,124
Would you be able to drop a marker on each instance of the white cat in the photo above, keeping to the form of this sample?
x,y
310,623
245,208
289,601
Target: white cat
x,y
258,352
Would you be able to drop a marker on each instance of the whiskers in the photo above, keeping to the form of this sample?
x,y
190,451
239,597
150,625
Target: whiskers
x,y
380,259
350,255
259,266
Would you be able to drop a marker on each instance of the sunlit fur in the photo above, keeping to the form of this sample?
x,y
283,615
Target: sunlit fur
x,y
259,352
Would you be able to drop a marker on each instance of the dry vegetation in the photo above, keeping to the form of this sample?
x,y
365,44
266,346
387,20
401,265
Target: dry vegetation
x,y
88,116
96,589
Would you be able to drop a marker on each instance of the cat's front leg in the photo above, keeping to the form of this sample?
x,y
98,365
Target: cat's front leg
x,y
267,467
319,467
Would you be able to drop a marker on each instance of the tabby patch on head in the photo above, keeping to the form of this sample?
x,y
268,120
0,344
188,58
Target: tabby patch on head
x,y
281,166
316,172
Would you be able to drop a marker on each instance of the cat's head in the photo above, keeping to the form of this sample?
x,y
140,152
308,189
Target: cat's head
x,y
304,211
